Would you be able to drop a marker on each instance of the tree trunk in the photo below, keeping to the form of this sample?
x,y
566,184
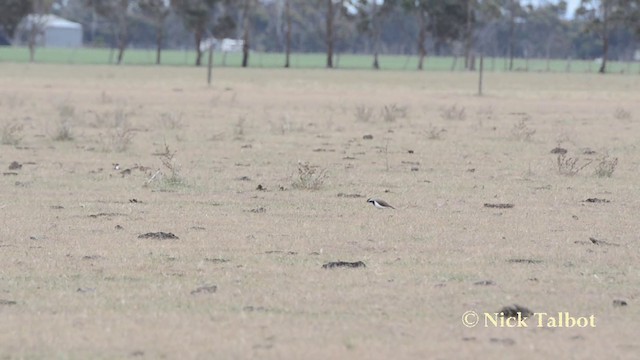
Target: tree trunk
x,y
198,38
468,36
512,26
33,33
375,31
422,37
288,35
159,39
605,36
121,48
329,35
245,35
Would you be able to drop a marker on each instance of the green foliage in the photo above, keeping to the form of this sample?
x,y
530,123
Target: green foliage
x,y
11,12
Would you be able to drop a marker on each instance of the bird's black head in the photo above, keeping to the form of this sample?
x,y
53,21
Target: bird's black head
x,y
370,201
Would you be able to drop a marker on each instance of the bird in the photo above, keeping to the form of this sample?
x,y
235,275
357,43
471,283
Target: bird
x,y
380,204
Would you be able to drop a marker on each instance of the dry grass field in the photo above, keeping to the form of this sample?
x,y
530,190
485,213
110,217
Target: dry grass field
x,y
264,177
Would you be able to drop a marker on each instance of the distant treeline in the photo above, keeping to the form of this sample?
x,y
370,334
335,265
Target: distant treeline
x,y
599,29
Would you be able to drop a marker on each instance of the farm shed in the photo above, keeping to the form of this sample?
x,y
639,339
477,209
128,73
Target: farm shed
x,y
56,31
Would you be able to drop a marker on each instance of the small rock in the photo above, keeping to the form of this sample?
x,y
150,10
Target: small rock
x,y
368,137
15,165
559,150
7,302
261,188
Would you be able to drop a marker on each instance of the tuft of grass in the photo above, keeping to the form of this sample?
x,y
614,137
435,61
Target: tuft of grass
x,y
11,134
363,113
606,166
521,131
454,112
309,177
392,112
571,166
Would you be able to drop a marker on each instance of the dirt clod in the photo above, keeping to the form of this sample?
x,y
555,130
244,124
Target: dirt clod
x,y
336,264
161,235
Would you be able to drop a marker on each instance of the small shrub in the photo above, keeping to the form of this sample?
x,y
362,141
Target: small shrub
x,y
309,177
570,166
363,113
11,134
606,166
521,131
454,112
392,112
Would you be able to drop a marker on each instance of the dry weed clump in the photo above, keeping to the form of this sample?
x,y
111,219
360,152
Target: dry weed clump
x,y
434,132
309,177
170,120
521,131
454,112
11,134
570,166
622,114
363,113
169,175
392,112
63,132
120,133
606,166
118,139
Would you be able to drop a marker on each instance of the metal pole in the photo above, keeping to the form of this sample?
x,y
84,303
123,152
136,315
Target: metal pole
x,y
480,77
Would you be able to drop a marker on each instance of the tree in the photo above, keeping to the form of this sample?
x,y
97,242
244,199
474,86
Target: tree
x,y
247,11
600,17
118,14
36,23
156,11
370,17
12,12
329,39
420,8
196,15
288,16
